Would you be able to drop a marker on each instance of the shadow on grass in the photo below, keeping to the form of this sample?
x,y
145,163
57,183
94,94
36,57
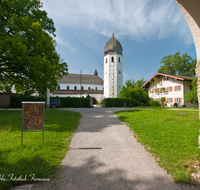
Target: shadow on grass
x,y
24,171
123,118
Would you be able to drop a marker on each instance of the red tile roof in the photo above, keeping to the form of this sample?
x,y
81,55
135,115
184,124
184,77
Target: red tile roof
x,y
177,77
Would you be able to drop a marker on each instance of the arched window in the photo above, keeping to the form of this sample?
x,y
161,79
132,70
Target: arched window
x,y
119,59
82,87
74,87
58,87
96,88
106,60
67,87
112,59
88,88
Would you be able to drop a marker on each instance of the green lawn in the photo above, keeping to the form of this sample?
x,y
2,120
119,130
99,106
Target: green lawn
x,y
171,136
34,157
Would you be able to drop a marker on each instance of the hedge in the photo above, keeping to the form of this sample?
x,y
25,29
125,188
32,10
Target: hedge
x,y
73,102
69,102
15,100
120,102
154,103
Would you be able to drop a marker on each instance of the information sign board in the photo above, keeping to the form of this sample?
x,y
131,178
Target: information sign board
x,y
33,117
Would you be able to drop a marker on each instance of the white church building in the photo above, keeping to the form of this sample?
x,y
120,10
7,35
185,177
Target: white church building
x,y
78,85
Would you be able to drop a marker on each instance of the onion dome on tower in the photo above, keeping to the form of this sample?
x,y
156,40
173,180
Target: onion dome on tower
x,y
113,45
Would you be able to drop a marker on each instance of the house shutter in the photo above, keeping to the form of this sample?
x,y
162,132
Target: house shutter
x,y
180,100
149,91
167,100
171,88
174,100
166,89
163,80
180,87
158,99
190,87
175,89
190,101
171,100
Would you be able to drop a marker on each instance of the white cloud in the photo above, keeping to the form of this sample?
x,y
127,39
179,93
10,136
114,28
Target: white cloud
x,y
139,19
64,43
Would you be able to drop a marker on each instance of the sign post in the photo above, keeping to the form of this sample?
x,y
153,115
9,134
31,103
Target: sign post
x,y
32,117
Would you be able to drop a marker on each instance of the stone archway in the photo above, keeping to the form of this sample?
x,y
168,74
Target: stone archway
x,y
190,10
94,100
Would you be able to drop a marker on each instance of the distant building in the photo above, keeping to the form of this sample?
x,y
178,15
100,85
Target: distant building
x,y
69,85
174,86
113,68
93,85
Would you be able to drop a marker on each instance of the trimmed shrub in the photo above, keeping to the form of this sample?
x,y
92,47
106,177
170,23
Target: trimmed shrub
x,y
154,103
120,102
73,102
15,100
69,102
175,105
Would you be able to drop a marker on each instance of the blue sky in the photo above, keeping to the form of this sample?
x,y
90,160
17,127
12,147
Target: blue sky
x,y
146,29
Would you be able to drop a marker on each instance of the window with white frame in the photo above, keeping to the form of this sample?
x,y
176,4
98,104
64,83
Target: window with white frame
x,y
169,89
169,100
177,88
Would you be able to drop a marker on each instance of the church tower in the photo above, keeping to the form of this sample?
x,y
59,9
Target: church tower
x,y
113,68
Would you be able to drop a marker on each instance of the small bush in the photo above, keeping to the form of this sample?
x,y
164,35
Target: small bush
x,y
154,103
118,102
175,105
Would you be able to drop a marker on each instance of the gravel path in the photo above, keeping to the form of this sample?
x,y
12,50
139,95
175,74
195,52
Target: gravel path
x,y
104,155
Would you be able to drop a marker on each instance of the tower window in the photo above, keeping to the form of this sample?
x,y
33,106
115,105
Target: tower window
x,y
74,87
106,60
112,59
88,88
119,59
82,88
67,87
58,87
96,88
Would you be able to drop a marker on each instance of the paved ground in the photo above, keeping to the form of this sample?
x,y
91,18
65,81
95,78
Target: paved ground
x,y
104,155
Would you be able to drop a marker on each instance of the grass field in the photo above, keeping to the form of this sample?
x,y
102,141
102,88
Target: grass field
x,y
171,136
33,159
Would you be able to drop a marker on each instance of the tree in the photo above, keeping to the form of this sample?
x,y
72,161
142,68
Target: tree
x,y
28,58
134,83
178,64
133,90
192,94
